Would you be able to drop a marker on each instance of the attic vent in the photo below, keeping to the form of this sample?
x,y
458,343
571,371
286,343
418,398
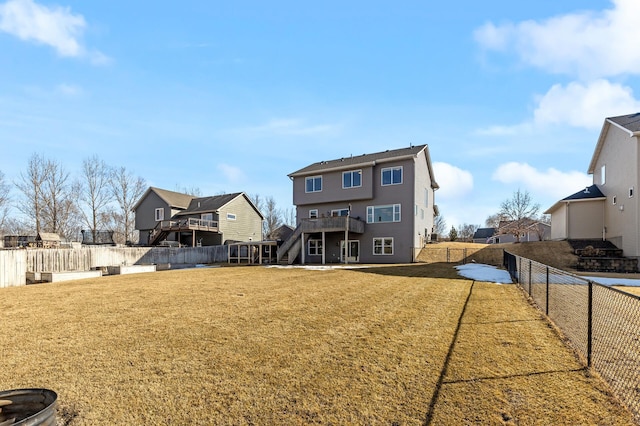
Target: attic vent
x,y
586,190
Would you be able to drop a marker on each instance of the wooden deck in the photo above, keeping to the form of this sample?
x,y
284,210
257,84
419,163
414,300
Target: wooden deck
x,y
332,224
192,224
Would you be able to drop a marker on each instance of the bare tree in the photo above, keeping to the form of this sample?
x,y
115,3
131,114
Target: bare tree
x,y
193,190
439,225
31,185
519,210
272,217
126,189
493,221
289,217
466,231
4,203
59,209
95,193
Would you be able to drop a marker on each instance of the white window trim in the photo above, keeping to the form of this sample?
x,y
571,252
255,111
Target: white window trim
x,y
614,200
392,183
631,191
317,247
231,216
314,178
371,213
338,211
382,246
311,216
603,174
351,172
159,214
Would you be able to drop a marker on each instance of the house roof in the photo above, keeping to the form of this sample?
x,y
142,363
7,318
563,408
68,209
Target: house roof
x,y
483,233
48,236
367,160
213,204
589,193
629,123
173,199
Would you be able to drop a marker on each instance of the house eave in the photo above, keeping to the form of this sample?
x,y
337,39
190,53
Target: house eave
x,y
581,200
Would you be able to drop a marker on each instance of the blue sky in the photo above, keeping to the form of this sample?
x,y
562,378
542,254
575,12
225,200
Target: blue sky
x,y
233,96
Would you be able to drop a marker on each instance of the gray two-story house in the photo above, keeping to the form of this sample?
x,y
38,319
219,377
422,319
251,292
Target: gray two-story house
x,y
168,217
370,208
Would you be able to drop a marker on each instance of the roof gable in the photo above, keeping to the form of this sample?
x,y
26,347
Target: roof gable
x,y
214,203
173,199
588,193
628,123
368,160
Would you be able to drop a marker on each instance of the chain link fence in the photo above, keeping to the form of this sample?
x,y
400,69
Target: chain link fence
x,y
602,323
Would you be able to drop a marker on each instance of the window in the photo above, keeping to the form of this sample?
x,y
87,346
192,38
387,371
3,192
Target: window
x,y
352,179
392,176
614,200
631,192
313,214
603,174
315,247
231,216
206,216
159,214
313,184
383,246
426,197
380,214
421,213
340,212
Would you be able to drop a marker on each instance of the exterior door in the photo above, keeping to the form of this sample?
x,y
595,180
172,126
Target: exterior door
x,y
354,251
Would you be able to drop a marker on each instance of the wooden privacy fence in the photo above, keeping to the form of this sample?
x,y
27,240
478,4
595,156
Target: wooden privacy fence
x,y
14,264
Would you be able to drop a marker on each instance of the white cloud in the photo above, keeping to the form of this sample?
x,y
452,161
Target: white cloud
x,y
588,44
231,173
550,183
54,26
585,105
454,182
498,130
292,127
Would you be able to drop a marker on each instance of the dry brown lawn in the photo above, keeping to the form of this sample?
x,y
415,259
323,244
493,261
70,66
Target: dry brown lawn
x,y
250,345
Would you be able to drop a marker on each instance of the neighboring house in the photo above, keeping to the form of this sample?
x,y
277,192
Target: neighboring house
x,y
613,214
281,233
169,217
526,230
381,204
482,235
578,216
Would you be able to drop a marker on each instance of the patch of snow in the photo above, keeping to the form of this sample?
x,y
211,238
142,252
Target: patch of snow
x,y
485,273
630,282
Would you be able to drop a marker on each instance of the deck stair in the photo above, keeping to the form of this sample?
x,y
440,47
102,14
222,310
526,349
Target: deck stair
x,y
290,249
602,256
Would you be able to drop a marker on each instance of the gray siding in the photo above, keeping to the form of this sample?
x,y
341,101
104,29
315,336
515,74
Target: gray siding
x,y
404,233
145,215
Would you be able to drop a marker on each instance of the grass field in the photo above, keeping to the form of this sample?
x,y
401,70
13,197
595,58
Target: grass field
x,y
251,345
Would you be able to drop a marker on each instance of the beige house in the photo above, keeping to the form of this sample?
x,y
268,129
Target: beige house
x,y
608,209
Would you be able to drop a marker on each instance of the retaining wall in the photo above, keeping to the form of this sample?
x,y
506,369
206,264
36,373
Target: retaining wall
x,y
14,264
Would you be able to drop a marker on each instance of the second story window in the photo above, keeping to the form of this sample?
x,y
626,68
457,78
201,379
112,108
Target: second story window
x,y
313,214
380,214
603,174
313,184
352,179
392,175
231,216
159,214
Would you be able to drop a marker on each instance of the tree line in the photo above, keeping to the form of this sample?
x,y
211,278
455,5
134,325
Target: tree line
x,y
101,198
519,211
